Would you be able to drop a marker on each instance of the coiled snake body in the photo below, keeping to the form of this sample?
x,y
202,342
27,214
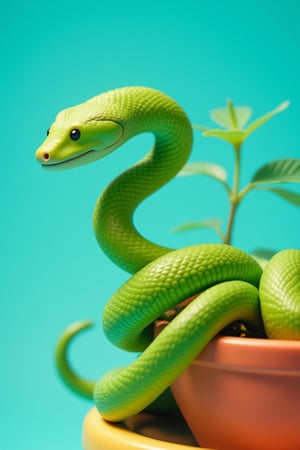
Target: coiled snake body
x,y
227,278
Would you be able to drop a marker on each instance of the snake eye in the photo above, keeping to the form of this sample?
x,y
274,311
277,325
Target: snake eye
x,y
48,131
75,134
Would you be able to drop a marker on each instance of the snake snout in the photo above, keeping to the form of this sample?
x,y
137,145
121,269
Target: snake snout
x,y
46,156
42,155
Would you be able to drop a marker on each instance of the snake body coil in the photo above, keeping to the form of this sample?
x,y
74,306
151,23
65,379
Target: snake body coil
x,y
227,278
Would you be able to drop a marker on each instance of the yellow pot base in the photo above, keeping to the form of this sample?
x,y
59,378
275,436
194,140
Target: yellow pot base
x,y
147,431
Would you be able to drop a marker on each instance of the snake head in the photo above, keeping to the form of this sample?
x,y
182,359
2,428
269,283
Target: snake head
x,y
76,138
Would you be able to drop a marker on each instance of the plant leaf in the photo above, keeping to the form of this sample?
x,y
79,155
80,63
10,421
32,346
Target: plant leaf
x,y
263,256
214,224
290,196
200,127
265,253
259,122
222,116
243,114
234,137
204,168
279,171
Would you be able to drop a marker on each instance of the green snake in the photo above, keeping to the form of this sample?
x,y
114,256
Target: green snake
x,y
226,283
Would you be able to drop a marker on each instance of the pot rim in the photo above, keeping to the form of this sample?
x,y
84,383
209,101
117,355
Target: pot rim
x,y
258,355
248,354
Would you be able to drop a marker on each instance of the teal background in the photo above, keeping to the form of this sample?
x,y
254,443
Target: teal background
x,y
57,54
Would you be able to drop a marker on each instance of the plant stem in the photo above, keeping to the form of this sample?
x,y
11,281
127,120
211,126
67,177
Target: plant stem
x,y
234,197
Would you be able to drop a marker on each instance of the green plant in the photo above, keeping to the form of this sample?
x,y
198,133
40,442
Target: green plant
x,y
233,120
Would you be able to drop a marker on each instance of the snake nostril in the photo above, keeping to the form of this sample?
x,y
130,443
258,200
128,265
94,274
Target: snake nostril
x,y
46,156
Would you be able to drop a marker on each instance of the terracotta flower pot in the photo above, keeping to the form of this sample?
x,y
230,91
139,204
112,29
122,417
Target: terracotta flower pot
x,y
238,394
243,394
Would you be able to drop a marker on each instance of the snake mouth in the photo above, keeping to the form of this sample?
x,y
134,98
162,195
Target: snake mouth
x,y
66,161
